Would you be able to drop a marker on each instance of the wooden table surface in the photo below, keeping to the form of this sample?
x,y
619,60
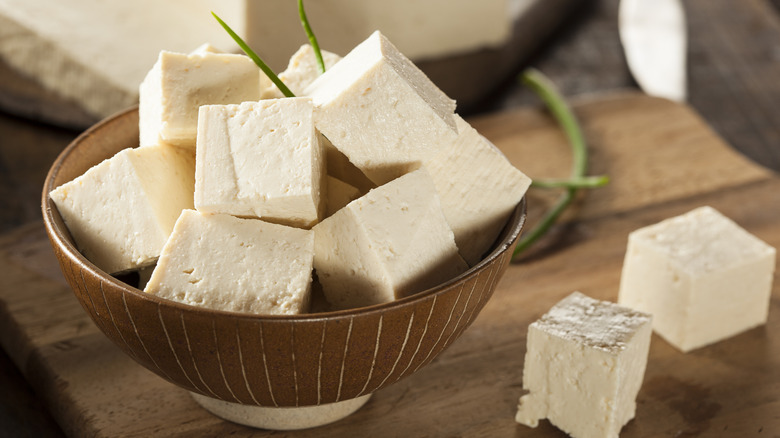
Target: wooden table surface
x,y
734,67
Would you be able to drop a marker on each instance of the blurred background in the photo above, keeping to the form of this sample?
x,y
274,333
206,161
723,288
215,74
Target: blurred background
x,y
66,64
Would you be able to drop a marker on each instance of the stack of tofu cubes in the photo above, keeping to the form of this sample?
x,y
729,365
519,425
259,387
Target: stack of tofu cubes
x,y
368,177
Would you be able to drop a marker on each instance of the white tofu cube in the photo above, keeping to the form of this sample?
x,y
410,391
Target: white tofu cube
x,y
260,159
479,188
388,244
381,111
702,276
301,71
584,365
121,211
178,84
339,195
242,265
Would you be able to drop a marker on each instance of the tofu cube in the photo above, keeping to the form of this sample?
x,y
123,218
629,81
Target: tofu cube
x,y
178,84
381,111
388,244
260,159
121,211
301,71
584,365
243,265
702,276
478,187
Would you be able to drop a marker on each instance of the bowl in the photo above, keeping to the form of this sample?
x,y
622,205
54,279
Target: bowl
x,y
232,361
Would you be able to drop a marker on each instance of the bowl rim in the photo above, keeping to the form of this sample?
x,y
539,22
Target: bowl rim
x,y
511,232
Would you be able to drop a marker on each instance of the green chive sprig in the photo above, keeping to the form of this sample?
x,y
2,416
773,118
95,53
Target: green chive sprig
x,y
312,39
259,62
588,182
547,91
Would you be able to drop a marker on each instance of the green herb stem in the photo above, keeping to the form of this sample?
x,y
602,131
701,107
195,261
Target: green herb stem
x,y
547,91
312,39
546,222
588,182
550,95
259,62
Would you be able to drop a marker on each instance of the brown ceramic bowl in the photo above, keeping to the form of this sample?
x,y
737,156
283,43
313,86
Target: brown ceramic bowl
x,y
274,361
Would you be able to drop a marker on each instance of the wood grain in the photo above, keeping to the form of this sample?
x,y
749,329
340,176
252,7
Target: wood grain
x,y
728,389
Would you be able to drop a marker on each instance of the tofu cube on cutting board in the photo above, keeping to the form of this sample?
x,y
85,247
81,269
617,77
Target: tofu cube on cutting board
x,y
260,159
702,277
179,83
377,97
155,184
228,263
584,365
388,244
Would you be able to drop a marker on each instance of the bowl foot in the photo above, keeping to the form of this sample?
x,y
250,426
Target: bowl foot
x,y
263,417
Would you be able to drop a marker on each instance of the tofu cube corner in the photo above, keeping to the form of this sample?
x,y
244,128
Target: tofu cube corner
x,y
388,244
703,277
479,189
242,265
121,211
178,84
381,111
584,365
260,159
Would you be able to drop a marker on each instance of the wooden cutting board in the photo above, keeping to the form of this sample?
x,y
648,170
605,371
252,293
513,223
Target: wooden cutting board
x,y
663,161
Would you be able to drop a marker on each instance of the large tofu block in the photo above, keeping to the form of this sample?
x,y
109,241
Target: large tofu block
x,y
260,159
97,52
381,111
178,84
94,52
242,265
421,29
584,365
388,244
301,71
702,276
121,212
479,188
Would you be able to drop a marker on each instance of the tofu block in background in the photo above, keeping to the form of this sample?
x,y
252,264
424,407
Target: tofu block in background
x,y
178,84
388,244
339,195
301,71
422,30
584,364
243,265
381,111
478,187
260,159
703,277
121,211
95,53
